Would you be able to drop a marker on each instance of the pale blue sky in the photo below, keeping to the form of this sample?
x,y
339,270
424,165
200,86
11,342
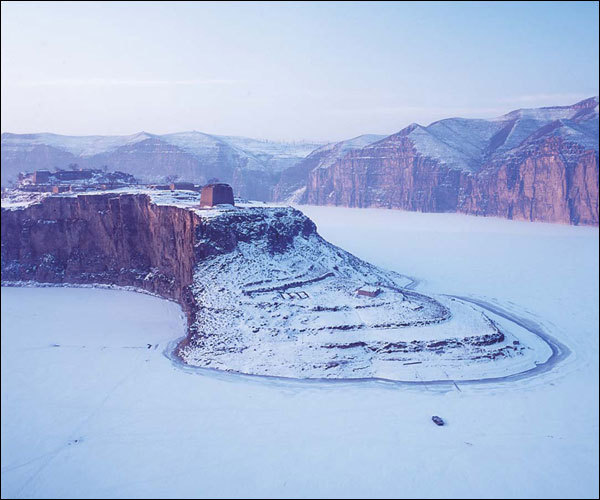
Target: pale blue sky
x,y
287,70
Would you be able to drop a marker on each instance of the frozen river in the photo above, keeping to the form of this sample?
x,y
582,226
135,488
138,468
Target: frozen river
x,y
91,407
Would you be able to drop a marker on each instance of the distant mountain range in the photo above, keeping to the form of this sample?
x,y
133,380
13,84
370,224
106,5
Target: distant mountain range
x,y
252,166
531,164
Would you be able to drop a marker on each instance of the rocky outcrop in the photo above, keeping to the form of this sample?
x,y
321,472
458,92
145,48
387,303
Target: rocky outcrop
x,y
127,240
535,165
553,181
120,240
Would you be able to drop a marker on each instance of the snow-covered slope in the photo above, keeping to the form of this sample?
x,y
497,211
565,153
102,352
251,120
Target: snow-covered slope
x,y
297,314
264,155
278,153
76,145
329,153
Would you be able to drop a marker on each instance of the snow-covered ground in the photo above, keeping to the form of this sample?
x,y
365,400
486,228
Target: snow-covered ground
x,y
92,407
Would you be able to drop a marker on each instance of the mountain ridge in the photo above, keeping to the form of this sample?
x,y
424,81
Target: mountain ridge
x,y
537,164
449,159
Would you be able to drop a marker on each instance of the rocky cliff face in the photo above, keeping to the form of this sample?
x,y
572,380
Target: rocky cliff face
x,y
123,240
127,240
553,181
536,165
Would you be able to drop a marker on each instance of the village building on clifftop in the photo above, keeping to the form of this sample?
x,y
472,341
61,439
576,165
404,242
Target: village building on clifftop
x,y
216,194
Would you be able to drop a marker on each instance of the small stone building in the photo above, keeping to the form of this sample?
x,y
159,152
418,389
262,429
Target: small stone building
x,y
369,291
216,194
41,176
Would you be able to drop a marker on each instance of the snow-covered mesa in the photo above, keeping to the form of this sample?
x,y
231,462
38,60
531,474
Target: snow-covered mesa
x,y
92,407
285,302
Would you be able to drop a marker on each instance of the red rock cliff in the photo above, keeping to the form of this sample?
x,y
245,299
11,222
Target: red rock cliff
x,y
126,240
122,240
551,180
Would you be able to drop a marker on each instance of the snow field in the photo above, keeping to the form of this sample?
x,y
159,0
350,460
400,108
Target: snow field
x,y
148,428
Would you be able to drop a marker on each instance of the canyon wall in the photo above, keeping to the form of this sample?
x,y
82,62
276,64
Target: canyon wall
x,y
120,240
551,181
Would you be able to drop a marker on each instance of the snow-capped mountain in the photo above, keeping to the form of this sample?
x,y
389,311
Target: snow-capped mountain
x,y
531,164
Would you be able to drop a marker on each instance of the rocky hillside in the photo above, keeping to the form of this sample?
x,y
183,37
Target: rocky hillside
x,y
251,166
531,164
131,239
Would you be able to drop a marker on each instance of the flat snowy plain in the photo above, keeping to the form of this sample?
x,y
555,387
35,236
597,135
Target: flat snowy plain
x,y
88,410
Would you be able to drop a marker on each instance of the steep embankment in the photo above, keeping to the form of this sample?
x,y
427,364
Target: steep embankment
x,y
122,240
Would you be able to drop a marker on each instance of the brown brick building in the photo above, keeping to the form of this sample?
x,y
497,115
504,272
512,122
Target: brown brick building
x,y
216,194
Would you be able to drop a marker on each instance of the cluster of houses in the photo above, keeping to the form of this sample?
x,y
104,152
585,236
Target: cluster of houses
x,y
76,180
73,180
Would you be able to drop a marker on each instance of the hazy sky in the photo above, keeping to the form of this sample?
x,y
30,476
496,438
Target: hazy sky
x,y
287,70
